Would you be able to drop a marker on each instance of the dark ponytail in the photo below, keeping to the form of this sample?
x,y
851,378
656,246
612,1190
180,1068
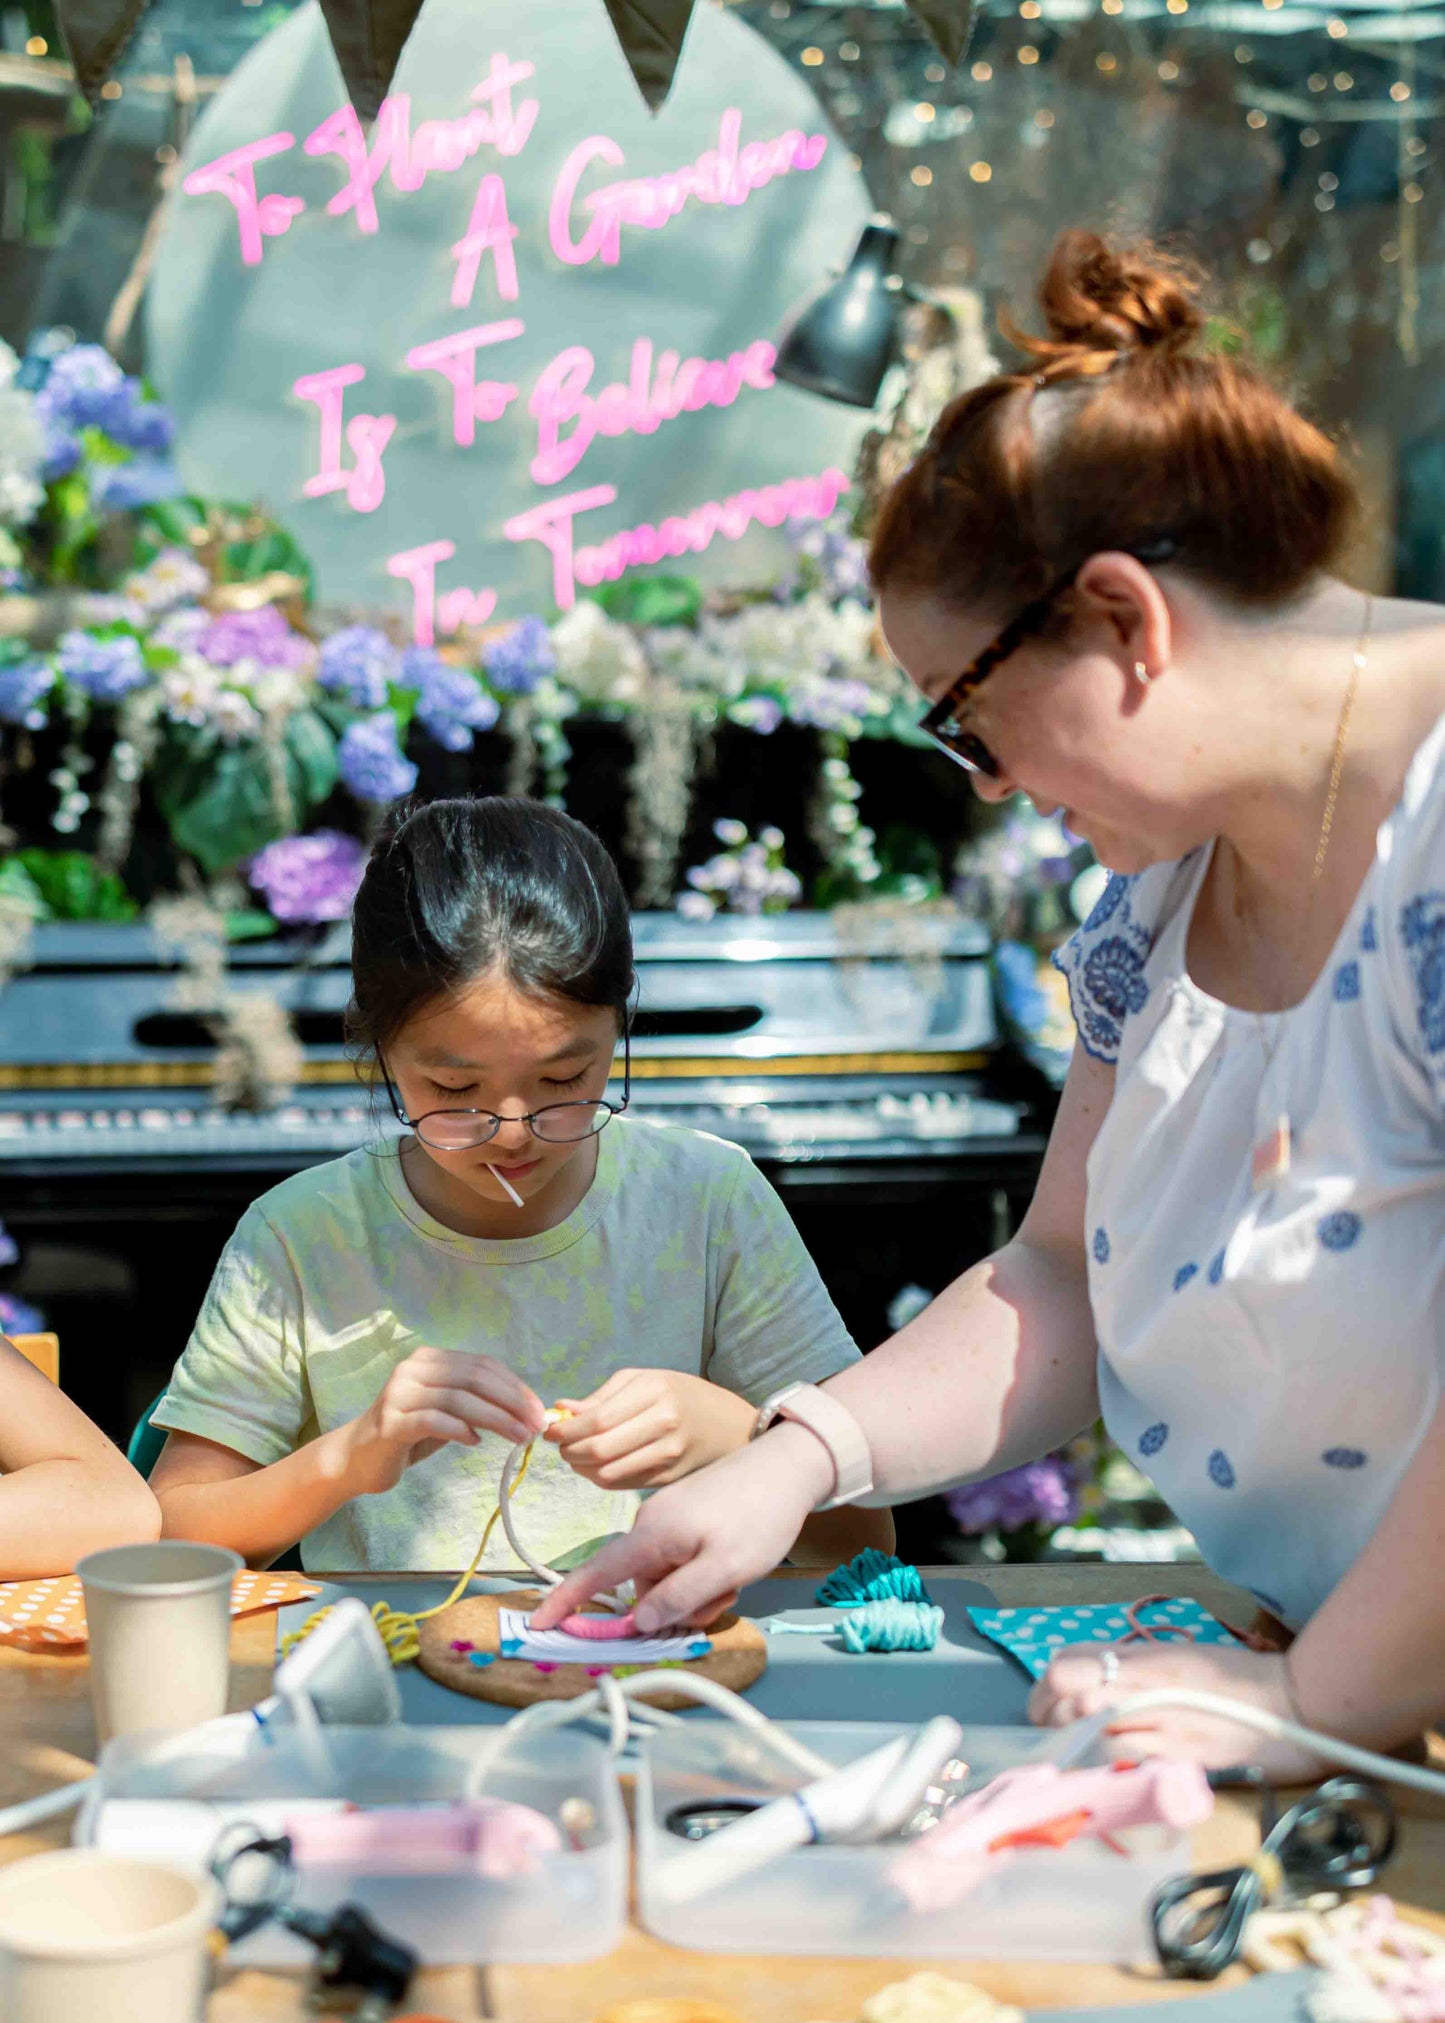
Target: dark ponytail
x,y
456,888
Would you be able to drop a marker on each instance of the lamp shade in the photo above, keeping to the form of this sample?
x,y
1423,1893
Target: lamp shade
x,y
841,340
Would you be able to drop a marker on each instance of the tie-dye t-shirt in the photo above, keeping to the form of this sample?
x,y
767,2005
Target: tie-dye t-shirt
x,y
679,1257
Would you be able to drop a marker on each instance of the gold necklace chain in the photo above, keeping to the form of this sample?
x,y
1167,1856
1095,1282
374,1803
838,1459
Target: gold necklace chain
x,y
1270,1158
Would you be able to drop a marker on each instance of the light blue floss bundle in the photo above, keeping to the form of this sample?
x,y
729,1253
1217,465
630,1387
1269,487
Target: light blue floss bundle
x,y
891,1625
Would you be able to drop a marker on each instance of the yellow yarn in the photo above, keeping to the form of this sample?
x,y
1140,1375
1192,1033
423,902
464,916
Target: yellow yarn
x,y
398,1629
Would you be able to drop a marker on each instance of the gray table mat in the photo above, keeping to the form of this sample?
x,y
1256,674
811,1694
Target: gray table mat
x,y
808,1678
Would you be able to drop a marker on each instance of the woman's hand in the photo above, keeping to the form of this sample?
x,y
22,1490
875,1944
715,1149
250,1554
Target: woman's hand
x,y
643,1428
687,1552
435,1396
1074,1688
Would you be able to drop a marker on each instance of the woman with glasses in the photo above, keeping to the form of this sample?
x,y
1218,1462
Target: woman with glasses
x,y
1113,575
381,1329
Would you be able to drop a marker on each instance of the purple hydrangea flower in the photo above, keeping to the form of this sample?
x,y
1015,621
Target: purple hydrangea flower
x,y
371,761
136,423
126,488
106,669
262,636
309,878
9,1248
62,453
1041,1492
23,688
358,662
832,705
451,703
761,713
521,658
18,1317
79,387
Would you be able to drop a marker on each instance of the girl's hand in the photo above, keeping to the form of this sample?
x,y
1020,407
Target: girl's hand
x,y
1073,1688
643,1428
435,1396
687,1552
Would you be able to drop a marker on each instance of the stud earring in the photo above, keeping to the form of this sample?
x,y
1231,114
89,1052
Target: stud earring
x,y
1141,674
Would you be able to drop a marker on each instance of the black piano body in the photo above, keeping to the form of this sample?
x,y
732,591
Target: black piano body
x,y
874,1088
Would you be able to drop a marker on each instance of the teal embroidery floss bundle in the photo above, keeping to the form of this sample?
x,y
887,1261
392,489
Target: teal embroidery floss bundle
x,y
872,1577
890,1625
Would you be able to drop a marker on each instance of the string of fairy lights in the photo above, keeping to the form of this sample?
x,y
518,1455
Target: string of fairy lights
x,y
1373,70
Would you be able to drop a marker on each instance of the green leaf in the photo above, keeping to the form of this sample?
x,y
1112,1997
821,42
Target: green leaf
x,y
73,886
310,759
652,600
249,925
578,1555
220,810
19,888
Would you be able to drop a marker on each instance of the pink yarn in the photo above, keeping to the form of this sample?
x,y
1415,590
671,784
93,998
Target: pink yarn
x,y
599,1629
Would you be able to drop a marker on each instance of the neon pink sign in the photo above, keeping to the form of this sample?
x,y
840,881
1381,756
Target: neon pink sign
x,y
651,395
233,176
489,230
455,358
679,534
726,174
367,436
453,609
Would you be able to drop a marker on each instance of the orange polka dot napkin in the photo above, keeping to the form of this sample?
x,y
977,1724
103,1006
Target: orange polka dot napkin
x,y
46,1615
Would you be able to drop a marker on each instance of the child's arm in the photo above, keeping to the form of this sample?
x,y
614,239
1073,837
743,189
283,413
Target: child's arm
x,y
209,1491
64,1489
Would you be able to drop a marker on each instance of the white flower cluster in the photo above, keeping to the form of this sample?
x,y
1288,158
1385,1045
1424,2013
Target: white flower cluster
x,y
194,692
22,447
841,834
745,877
599,660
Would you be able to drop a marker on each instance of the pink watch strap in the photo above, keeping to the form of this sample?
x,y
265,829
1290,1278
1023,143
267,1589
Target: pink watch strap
x,y
838,1430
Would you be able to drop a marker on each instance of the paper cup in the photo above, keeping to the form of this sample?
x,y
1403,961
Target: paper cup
x,y
86,1936
159,1622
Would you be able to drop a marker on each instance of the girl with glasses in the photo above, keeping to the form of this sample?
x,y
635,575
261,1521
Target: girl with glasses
x,y
383,1328
1113,573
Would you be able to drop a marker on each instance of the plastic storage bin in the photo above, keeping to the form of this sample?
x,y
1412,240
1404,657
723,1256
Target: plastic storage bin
x,y
571,1907
1081,1902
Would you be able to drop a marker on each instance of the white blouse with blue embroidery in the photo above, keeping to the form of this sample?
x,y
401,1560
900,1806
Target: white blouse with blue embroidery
x,y
1273,1358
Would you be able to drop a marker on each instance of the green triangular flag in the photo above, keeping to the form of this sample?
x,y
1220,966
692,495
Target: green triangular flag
x,y
949,24
651,33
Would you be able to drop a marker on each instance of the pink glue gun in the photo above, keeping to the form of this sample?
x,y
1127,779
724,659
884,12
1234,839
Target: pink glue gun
x,y
489,1837
1041,1806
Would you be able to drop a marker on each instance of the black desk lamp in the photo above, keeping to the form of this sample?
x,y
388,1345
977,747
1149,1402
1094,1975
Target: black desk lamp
x,y
842,339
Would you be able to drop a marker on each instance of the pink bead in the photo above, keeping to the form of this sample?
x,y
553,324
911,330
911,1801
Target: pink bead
x,y
599,1629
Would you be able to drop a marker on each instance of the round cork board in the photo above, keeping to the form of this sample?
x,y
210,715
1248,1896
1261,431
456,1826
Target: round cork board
x,y
739,1655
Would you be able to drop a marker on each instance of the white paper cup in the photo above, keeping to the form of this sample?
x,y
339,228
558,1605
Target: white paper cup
x,y
95,1938
159,1623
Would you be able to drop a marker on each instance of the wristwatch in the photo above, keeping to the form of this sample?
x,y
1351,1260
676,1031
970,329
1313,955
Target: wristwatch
x,y
835,1426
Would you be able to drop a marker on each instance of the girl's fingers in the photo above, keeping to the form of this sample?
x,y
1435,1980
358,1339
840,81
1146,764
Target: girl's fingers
x,y
689,1595
620,1442
605,1410
484,1377
624,1559
647,1466
441,1426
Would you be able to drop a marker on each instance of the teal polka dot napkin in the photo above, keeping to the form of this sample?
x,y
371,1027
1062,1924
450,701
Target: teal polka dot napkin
x,y
1036,1636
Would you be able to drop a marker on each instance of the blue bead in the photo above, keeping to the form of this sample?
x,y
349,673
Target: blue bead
x,y
485,1657
1221,1471
1153,1438
1344,1457
1340,1231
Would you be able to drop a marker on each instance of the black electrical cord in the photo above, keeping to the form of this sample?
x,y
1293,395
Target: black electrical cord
x,y
1339,1838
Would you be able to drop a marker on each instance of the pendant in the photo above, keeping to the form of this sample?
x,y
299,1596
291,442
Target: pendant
x,y
1269,1161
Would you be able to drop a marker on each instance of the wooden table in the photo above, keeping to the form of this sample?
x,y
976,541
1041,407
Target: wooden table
x,y
46,1735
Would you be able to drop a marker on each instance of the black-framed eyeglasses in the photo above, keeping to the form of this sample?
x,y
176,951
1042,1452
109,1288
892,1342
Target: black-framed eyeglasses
x,y
554,1123
941,721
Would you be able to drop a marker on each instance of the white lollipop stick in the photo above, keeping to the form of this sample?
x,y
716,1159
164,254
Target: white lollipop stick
x,y
502,1181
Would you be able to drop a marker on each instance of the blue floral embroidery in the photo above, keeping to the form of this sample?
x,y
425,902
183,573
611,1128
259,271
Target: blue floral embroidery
x,y
1341,1230
1221,1472
1106,976
1344,1457
1347,983
1216,1267
1101,1246
1422,928
1153,1438
1108,902
1183,1276
1369,941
